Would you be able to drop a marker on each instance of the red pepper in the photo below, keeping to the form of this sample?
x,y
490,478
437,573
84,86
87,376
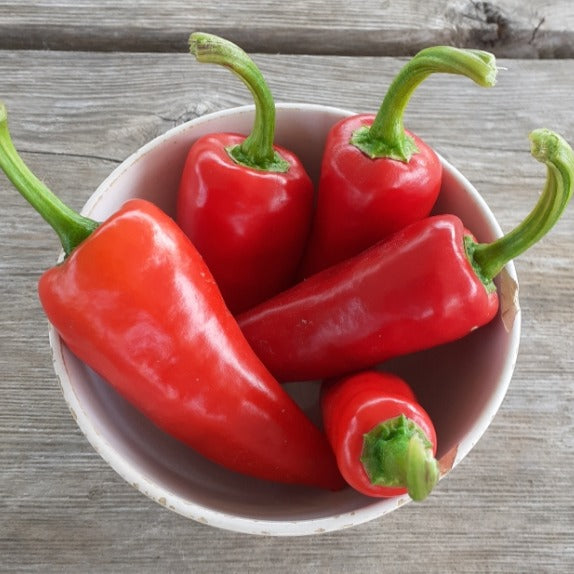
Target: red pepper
x,y
428,284
245,203
135,301
383,439
376,177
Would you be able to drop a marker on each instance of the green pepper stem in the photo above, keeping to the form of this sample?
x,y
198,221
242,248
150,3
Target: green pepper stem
x,y
397,453
71,227
386,137
551,149
257,150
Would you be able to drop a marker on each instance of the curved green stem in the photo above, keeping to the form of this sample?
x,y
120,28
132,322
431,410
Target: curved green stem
x,y
257,150
386,137
71,227
551,149
397,453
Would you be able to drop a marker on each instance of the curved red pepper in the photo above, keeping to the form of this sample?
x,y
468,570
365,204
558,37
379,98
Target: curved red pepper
x,y
245,203
376,177
136,302
383,439
411,292
428,284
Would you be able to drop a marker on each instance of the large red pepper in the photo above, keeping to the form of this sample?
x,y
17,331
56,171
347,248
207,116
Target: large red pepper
x,y
245,203
376,177
135,301
383,439
428,284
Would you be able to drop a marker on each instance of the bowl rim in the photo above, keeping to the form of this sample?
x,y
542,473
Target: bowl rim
x,y
374,508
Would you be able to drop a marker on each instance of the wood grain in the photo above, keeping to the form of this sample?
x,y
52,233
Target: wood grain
x,y
510,28
506,508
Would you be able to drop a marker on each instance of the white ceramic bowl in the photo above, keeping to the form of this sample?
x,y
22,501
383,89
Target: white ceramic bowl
x,y
461,385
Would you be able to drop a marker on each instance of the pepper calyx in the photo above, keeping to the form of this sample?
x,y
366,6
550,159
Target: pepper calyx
x,y
398,454
400,149
276,163
470,249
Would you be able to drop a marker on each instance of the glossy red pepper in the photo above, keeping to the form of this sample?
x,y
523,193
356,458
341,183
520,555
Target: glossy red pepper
x,y
384,441
245,204
135,301
428,284
376,177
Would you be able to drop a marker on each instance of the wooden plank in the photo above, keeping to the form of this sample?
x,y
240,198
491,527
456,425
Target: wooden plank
x,y
506,508
510,28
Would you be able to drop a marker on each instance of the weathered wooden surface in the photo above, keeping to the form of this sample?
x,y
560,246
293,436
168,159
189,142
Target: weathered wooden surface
x,y
511,28
506,508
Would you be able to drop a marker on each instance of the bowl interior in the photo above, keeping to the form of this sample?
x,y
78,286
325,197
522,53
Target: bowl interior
x,y
461,385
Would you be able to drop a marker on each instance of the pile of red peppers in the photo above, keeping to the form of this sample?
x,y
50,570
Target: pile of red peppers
x,y
266,280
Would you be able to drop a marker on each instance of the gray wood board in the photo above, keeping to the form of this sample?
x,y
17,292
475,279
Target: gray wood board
x,y
506,508
510,28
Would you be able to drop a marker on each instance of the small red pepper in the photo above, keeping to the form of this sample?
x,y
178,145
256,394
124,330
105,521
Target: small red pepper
x,y
376,177
383,439
428,284
135,301
245,204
